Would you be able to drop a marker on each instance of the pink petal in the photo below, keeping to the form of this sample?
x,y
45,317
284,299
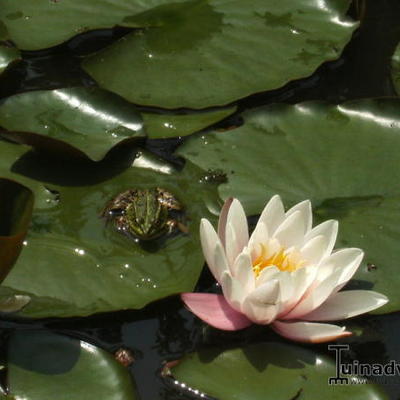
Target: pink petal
x,y
215,311
223,218
309,332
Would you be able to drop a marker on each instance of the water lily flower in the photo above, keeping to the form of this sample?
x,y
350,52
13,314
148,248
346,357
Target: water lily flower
x,y
285,275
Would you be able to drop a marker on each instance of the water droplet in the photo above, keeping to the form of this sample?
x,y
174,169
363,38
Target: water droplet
x,y
371,267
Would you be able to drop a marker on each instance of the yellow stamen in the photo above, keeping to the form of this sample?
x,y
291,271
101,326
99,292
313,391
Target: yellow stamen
x,y
280,259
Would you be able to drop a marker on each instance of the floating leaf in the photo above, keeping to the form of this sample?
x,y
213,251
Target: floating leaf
x,y
8,55
266,371
343,158
85,120
396,69
16,204
166,125
44,366
198,54
83,265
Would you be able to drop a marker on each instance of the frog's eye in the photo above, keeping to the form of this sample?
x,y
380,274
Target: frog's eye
x,y
116,212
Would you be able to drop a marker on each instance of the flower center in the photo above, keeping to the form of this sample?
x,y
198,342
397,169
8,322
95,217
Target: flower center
x,y
281,258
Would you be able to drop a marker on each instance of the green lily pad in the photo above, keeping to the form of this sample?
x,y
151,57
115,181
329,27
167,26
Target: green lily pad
x,y
162,126
198,54
89,121
98,269
8,55
46,366
46,23
16,205
343,158
10,153
266,371
396,69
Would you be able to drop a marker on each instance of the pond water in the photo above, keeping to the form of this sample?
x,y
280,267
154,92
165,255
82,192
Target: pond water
x,y
165,330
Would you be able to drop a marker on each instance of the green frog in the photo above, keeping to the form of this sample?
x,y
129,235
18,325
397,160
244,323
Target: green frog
x,y
143,213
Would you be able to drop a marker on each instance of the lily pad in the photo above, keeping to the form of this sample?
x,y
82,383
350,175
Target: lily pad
x,y
44,366
396,69
266,371
8,55
16,205
89,121
166,125
97,268
198,54
343,158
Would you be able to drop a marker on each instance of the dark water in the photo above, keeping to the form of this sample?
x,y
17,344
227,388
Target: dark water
x,y
165,330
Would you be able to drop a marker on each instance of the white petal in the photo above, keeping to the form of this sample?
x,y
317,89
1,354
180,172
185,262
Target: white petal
x,y
211,244
309,332
233,291
306,211
315,249
242,270
232,247
329,229
220,264
314,298
237,220
291,231
268,274
347,304
286,287
273,214
223,218
303,278
347,260
259,236
261,306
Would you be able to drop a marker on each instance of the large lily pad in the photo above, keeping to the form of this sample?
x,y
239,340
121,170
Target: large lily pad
x,y
88,120
46,23
199,53
344,158
16,204
396,69
46,366
8,55
267,371
81,266
167,125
